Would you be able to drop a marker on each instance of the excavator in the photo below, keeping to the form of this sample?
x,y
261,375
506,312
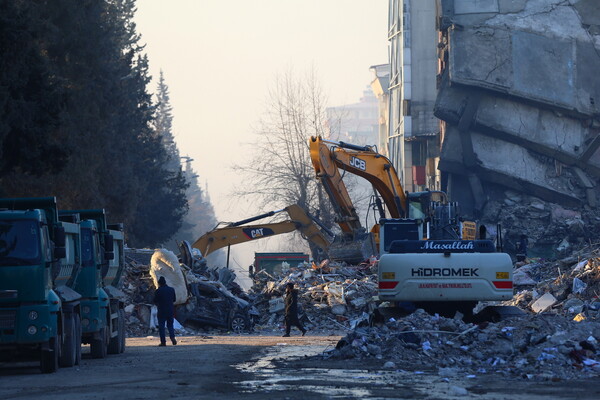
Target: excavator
x,y
428,256
330,157
238,232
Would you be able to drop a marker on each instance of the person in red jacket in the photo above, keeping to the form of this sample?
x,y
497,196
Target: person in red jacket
x,y
164,298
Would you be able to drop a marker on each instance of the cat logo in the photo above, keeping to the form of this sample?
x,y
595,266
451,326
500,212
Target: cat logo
x,y
257,233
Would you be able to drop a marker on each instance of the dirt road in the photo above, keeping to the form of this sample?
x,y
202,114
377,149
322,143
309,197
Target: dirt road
x,y
259,367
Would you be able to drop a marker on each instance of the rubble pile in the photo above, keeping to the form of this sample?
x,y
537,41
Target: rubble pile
x,y
569,287
552,231
332,296
139,287
556,339
545,346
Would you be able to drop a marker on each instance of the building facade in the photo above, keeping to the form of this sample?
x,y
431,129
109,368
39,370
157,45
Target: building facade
x,y
413,140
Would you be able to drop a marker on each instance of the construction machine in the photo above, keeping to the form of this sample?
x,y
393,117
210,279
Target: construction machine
x,y
427,254
225,235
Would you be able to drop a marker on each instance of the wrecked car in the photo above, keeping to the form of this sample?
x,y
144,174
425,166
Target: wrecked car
x,y
211,304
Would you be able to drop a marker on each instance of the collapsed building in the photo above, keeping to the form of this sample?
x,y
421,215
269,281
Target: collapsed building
x,y
516,104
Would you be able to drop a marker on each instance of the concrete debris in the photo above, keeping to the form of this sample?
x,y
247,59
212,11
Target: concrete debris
x,y
520,117
543,345
567,286
556,339
543,303
143,265
333,296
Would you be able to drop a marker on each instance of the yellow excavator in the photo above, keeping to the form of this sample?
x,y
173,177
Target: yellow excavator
x,y
428,256
225,235
333,159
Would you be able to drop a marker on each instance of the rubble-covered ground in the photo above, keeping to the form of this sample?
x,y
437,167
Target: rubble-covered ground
x,y
557,338
332,296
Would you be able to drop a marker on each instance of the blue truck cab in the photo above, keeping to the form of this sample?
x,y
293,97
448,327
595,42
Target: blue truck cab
x,y
38,307
102,303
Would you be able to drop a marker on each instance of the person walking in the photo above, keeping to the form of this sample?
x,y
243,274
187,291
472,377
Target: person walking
x,y
164,297
291,310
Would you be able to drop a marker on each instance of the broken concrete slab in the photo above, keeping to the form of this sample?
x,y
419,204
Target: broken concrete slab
x,y
544,131
543,303
525,64
276,305
510,165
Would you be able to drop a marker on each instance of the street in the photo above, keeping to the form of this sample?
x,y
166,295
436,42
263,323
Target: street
x,y
259,367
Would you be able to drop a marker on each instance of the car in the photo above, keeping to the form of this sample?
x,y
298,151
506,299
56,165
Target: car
x,y
211,304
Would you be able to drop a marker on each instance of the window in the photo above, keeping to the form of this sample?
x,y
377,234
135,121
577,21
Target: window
x,y
20,242
406,107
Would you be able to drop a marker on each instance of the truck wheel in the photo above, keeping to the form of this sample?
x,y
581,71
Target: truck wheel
x,y
238,323
122,326
115,343
98,347
69,351
78,334
49,357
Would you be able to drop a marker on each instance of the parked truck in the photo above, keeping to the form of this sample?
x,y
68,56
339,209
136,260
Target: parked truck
x,y
39,270
102,302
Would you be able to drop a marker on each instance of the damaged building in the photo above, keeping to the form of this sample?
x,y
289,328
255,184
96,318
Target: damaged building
x,y
516,111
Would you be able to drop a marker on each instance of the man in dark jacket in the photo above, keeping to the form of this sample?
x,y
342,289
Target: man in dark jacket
x,y
291,310
164,297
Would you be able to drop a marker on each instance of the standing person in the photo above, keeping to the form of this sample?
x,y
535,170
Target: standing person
x,y
164,297
291,310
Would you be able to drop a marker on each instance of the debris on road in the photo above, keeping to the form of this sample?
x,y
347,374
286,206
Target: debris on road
x,y
333,295
140,282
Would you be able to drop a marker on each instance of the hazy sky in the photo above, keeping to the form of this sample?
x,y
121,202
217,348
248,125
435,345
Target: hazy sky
x,y
219,58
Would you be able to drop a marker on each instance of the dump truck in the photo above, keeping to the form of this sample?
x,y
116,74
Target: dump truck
x,y
39,270
100,281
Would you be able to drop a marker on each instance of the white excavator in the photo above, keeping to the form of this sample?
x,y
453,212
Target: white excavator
x,y
429,257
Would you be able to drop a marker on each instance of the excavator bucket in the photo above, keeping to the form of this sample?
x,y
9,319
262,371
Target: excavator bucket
x,y
353,251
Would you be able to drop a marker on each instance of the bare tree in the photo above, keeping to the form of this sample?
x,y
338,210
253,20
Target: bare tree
x,y
281,173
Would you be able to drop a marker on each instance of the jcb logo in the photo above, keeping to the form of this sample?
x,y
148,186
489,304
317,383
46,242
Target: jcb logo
x,y
358,163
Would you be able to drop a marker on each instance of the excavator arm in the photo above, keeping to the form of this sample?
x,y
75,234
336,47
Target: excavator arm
x,y
331,179
237,232
330,157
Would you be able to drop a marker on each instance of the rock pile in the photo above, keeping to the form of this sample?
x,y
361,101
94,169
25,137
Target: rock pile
x,y
569,287
139,289
546,346
333,296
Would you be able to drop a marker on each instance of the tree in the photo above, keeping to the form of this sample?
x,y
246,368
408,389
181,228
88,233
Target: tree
x,y
76,117
163,124
30,94
281,172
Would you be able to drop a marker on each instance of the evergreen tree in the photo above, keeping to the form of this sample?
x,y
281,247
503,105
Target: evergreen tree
x,y
30,97
163,124
75,83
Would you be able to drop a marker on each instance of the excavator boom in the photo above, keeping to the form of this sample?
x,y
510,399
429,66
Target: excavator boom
x,y
330,157
236,232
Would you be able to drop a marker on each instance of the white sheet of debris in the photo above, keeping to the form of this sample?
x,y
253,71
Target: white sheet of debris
x,y
165,263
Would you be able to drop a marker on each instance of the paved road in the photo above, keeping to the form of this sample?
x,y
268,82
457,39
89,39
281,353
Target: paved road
x,y
260,367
